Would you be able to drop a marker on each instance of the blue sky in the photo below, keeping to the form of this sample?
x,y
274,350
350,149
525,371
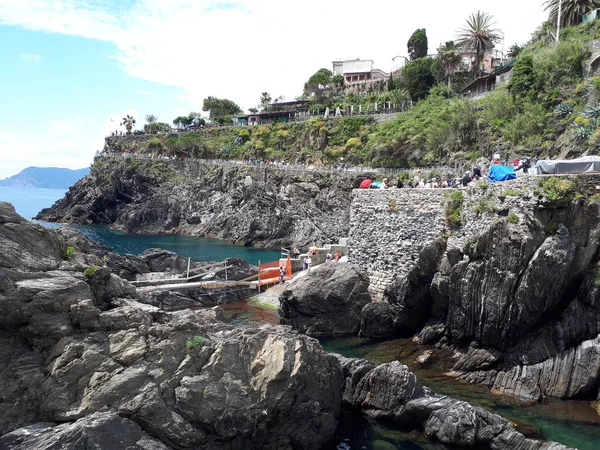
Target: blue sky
x,y
69,66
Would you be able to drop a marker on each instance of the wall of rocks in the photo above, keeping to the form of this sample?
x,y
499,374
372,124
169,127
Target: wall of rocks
x,y
389,228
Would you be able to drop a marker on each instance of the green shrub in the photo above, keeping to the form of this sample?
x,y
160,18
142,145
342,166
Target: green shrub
x,y
194,342
484,206
353,143
90,271
454,202
483,185
597,275
393,206
68,254
512,192
512,218
557,189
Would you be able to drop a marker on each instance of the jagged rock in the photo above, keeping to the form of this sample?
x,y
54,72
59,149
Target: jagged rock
x,y
26,246
380,319
277,208
477,359
390,391
105,430
326,302
574,373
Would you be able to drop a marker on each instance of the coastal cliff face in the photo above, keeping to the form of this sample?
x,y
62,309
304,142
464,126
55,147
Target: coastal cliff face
x,y
241,204
85,364
514,288
83,361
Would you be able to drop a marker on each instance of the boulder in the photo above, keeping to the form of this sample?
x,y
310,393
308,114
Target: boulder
x,y
326,302
102,430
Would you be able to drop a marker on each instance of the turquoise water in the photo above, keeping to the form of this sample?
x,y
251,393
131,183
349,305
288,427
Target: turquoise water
x,y
570,422
199,249
30,201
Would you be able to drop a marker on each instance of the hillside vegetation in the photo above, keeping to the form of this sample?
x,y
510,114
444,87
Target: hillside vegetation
x,y
547,109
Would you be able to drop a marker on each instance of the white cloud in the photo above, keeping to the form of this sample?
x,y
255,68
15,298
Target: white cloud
x,y
30,58
240,49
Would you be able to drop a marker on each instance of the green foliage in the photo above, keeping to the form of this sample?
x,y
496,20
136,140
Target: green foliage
x,y
524,81
563,110
454,202
221,109
597,275
90,271
194,342
512,192
338,81
393,206
512,218
557,189
417,77
353,143
68,254
484,206
417,44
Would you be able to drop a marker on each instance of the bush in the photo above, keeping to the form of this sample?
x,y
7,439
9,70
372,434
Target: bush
x,y
68,254
512,218
484,206
454,202
353,143
557,189
90,271
194,342
512,192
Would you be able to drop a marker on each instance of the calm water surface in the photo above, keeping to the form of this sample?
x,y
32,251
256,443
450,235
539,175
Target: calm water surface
x,y
30,201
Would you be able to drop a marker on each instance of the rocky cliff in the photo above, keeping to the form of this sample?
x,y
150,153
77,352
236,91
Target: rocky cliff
x,y
242,204
84,364
512,283
81,360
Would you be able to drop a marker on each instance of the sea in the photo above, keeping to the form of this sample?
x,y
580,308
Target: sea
x,y
28,202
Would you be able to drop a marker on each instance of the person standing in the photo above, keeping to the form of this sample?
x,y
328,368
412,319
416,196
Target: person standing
x,y
296,253
308,262
328,257
281,274
305,263
337,256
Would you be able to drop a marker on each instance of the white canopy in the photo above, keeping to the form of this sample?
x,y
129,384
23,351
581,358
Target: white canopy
x,y
579,165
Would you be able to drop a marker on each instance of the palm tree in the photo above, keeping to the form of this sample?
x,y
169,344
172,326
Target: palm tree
x,y
265,100
450,58
151,118
572,10
129,123
478,37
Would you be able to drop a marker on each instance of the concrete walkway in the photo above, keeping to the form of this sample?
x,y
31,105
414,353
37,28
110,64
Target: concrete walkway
x,y
271,295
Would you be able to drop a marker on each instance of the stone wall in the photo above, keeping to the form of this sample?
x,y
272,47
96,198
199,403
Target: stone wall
x,y
389,228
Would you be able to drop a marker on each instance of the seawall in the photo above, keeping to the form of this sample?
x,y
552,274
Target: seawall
x,y
390,228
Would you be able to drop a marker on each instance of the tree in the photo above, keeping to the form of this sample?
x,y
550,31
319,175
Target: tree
x,y
417,77
449,58
514,50
390,84
221,109
318,83
253,110
572,11
129,123
478,37
151,118
524,81
151,127
417,44
265,100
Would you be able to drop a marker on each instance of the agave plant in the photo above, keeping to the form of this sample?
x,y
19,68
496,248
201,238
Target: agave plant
x,y
563,110
591,112
582,132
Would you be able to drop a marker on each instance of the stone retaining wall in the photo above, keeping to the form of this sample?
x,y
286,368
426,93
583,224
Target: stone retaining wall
x,y
389,228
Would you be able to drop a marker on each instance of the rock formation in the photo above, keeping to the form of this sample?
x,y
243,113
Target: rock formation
x,y
326,302
391,392
244,205
82,360
514,290
84,364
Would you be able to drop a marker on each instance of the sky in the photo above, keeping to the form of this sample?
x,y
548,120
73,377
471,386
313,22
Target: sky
x,y
72,69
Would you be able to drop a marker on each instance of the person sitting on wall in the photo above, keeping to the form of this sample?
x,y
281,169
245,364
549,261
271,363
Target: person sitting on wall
x,y
296,253
466,179
399,183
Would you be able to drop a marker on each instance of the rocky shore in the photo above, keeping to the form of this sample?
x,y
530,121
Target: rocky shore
x,y
258,206
85,361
